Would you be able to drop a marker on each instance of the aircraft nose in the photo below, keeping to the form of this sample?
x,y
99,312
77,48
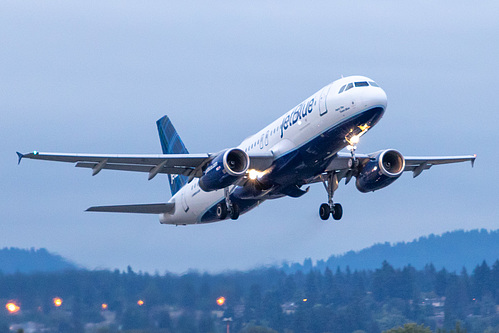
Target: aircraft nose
x,y
381,98
374,97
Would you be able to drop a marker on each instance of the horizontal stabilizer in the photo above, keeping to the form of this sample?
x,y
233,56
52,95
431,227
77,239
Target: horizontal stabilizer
x,y
19,157
159,208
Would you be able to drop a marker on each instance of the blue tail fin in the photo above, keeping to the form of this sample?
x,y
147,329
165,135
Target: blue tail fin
x,y
171,144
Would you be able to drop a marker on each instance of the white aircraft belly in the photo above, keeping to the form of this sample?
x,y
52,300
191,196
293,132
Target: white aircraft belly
x,y
190,204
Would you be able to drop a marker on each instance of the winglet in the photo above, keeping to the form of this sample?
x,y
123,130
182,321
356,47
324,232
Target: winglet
x,y
473,161
20,157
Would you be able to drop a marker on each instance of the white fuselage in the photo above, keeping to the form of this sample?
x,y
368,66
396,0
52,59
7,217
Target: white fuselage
x,y
305,122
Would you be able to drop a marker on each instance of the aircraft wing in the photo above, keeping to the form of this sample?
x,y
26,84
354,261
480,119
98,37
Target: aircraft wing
x,y
417,164
190,165
182,164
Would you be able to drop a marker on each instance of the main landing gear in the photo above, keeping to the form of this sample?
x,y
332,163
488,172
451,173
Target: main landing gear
x,y
227,207
330,182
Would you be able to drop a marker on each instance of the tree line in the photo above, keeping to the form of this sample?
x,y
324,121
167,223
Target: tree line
x,y
340,301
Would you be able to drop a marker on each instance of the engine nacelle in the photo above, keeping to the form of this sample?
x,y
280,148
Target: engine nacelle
x,y
224,170
383,169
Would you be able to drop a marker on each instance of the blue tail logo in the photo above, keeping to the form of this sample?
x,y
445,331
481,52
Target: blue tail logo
x,y
171,144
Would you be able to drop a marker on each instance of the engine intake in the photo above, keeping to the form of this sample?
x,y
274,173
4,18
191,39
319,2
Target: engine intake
x,y
383,168
225,169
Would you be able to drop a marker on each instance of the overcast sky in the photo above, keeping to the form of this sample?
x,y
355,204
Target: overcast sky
x,y
94,76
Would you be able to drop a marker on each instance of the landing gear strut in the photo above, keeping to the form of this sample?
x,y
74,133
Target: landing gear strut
x,y
330,182
227,207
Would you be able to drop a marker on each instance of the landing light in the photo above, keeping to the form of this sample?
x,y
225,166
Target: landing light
x,y
254,174
354,140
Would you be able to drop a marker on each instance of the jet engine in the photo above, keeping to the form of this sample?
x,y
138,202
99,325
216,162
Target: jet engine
x,y
224,169
383,168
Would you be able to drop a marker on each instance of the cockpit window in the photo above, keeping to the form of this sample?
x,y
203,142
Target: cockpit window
x,y
374,84
349,86
361,84
342,88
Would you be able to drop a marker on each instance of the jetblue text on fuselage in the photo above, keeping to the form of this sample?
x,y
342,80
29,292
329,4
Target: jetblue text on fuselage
x,y
299,112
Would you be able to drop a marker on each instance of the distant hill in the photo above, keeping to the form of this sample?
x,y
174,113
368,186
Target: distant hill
x,y
452,251
14,260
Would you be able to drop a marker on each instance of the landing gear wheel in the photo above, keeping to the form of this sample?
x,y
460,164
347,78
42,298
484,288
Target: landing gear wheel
x,y
324,211
221,211
330,181
337,211
234,212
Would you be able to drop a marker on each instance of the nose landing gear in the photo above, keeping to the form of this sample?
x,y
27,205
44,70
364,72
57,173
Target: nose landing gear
x,y
330,182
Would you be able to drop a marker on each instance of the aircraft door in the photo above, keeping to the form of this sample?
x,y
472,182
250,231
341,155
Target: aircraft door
x,y
323,99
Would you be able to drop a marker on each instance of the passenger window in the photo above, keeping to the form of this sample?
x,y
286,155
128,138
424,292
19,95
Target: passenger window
x,y
342,88
350,86
361,84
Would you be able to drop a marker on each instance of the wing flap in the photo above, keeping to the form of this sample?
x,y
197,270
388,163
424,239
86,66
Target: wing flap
x,y
182,164
159,208
137,168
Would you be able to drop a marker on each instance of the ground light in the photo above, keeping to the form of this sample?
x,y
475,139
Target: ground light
x,y
57,301
221,301
12,307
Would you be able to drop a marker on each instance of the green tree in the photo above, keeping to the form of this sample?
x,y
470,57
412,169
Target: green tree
x,y
494,277
163,320
187,323
206,324
441,282
134,318
272,311
289,288
4,328
312,287
253,304
384,282
481,283
257,329
410,328
456,300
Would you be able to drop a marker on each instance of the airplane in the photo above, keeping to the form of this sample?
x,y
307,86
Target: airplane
x,y
303,146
